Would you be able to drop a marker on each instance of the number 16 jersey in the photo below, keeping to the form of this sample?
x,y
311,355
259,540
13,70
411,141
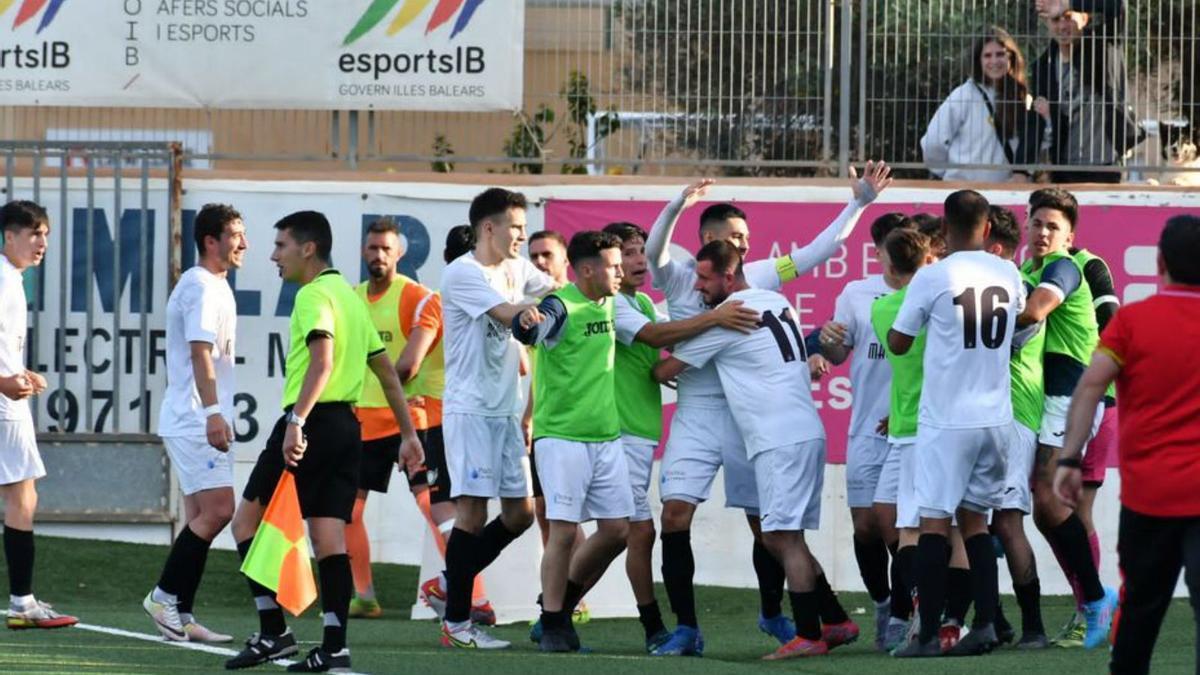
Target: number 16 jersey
x,y
764,374
969,301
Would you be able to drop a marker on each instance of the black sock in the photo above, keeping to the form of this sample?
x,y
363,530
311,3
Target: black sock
x,y
556,620
931,568
461,554
187,599
572,596
18,554
651,619
1071,540
827,603
806,614
337,585
679,570
872,559
492,540
1001,622
270,616
958,595
185,563
770,581
985,586
1029,599
902,582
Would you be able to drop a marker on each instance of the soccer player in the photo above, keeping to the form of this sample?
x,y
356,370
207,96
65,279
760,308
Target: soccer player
x,y
408,317
1004,238
194,418
703,434
318,439
765,381
1149,349
969,301
870,380
26,230
1065,303
482,292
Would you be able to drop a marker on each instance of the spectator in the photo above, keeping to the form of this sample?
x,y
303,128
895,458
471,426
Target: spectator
x,y
1079,83
987,119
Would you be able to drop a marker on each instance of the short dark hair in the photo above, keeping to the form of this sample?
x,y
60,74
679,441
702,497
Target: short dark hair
x,y
383,226
459,240
965,212
626,231
587,245
719,213
906,249
934,228
548,234
493,201
722,255
22,214
211,221
309,226
1179,245
1057,199
888,222
1005,230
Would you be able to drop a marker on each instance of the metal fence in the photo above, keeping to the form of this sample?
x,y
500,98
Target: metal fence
x,y
753,87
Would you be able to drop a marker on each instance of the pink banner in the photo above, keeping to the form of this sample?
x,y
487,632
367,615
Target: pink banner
x,y
1125,236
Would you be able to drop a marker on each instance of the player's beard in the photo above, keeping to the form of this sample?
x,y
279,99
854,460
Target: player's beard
x,y
377,271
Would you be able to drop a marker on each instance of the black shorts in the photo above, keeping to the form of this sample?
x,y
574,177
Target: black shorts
x,y
533,476
327,477
379,456
435,475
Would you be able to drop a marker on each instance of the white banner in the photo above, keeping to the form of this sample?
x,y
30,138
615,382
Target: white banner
x,y
311,54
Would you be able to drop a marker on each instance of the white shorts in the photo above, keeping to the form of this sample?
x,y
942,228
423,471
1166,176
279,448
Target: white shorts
x,y
702,440
639,459
865,456
486,456
582,481
198,465
1054,421
887,489
1020,452
19,456
790,480
959,468
908,508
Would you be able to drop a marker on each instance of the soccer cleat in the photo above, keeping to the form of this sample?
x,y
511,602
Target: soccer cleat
x,y
948,636
685,641
483,614
1033,641
321,661
883,618
535,631
1098,617
838,634
365,609
1004,630
40,615
467,636
976,642
917,649
657,640
166,618
798,647
198,633
559,640
779,627
581,615
434,596
1072,632
897,634
261,649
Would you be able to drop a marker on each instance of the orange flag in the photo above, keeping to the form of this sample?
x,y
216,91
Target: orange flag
x,y
278,557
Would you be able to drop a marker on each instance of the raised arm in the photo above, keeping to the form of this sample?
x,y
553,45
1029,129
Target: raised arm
x,y
658,240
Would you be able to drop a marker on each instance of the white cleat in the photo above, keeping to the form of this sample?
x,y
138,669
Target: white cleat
x,y
166,618
198,633
468,636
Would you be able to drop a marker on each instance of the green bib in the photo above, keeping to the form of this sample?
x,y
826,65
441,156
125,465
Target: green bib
x,y
639,397
1082,258
908,370
574,390
1028,387
1071,327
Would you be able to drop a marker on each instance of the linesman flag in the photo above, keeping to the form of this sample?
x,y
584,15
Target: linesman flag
x,y
278,558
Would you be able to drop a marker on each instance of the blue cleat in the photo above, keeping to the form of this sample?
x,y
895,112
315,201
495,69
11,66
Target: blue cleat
x,y
535,632
685,641
1098,617
657,640
779,627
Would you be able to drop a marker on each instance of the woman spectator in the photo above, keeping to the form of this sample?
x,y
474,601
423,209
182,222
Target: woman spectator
x,y
987,119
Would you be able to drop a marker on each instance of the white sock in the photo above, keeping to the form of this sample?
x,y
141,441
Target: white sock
x,y
21,602
159,595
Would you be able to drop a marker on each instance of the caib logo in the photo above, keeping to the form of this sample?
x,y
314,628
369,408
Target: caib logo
x,y
409,11
30,8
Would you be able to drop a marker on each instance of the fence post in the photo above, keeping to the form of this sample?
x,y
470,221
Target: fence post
x,y
352,142
844,91
827,123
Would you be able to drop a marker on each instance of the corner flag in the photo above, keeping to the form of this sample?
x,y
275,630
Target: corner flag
x,y
278,558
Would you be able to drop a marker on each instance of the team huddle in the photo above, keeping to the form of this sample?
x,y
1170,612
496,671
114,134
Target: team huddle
x,y
513,382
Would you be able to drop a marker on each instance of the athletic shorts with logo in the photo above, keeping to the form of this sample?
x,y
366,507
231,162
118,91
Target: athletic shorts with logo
x,y
1054,421
380,457
486,456
865,457
639,458
702,439
790,479
960,468
1020,453
1101,450
198,465
19,456
584,481
327,476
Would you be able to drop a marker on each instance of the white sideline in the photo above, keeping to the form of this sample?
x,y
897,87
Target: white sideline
x,y
158,639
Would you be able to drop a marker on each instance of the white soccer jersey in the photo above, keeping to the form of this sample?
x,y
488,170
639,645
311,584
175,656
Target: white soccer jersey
x,y
764,374
629,319
870,374
970,301
201,308
677,281
482,358
13,329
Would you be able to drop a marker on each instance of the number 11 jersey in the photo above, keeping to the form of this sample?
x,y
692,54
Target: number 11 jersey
x,y
764,374
970,301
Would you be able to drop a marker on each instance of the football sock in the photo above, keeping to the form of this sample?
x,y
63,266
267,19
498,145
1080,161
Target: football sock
x,y
1072,542
678,570
872,557
806,614
931,568
358,547
1029,599
828,607
18,554
572,596
981,553
336,585
184,567
494,538
460,574
958,594
651,618
771,578
270,616
902,582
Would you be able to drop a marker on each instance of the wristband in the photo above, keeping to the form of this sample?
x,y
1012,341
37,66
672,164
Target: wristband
x,y
1070,463
214,409
293,418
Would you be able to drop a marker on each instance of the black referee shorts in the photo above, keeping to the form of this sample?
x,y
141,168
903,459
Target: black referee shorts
x,y
379,456
533,474
327,476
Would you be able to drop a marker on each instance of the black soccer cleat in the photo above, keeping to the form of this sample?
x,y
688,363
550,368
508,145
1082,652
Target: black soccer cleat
x,y
914,648
321,661
976,643
558,640
262,649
